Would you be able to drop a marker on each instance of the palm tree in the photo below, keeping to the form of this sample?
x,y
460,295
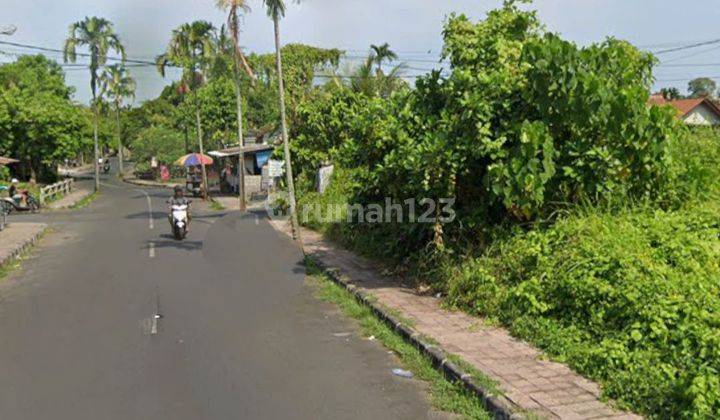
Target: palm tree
x,y
364,80
276,10
234,7
192,48
382,53
99,36
117,84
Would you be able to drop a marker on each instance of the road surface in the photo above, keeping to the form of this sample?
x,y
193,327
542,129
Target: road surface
x,y
240,336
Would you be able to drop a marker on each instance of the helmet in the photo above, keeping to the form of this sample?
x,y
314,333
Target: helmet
x,y
14,181
178,188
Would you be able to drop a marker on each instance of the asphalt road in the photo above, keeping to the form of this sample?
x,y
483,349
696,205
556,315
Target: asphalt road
x,y
241,336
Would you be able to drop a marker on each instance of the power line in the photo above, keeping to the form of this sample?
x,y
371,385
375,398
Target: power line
x,y
55,50
691,55
684,80
687,47
691,65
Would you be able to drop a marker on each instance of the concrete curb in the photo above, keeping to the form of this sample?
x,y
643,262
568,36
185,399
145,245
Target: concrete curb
x,y
24,247
499,406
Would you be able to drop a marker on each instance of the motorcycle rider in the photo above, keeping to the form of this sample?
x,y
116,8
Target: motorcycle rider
x,y
178,199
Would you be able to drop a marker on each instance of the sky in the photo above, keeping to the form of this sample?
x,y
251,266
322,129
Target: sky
x,y
413,28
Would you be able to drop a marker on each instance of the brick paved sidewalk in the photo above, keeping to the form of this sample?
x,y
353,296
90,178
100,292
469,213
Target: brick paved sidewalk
x,y
548,389
16,237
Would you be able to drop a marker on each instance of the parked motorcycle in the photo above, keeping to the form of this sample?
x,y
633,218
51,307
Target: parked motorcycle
x,y
179,220
106,166
15,204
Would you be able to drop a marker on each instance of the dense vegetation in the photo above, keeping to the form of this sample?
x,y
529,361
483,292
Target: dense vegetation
x,y
165,126
587,221
39,123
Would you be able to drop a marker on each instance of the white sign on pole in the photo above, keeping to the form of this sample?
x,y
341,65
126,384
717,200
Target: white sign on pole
x,y
276,168
323,179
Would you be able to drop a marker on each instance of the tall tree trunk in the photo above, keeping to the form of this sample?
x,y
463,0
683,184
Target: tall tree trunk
x,y
198,124
241,143
93,84
286,144
96,146
120,145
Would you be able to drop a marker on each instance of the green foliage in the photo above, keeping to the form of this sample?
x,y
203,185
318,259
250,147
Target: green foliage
x,y
39,124
166,144
525,124
702,87
631,299
218,103
300,65
671,93
587,220
695,158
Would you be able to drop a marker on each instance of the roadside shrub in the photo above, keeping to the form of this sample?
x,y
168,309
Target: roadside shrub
x,y
696,172
630,299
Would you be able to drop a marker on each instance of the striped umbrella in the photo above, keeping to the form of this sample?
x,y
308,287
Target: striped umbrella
x,y
194,159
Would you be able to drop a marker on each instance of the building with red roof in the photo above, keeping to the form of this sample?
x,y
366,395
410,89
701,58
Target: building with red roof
x,y
696,111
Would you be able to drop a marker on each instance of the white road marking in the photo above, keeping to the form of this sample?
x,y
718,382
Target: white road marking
x,y
152,250
150,213
154,327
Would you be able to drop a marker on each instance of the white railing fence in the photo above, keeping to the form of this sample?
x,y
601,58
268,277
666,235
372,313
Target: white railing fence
x,y
56,190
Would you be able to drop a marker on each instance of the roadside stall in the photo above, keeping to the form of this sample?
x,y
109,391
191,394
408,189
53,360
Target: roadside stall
x,y
193,164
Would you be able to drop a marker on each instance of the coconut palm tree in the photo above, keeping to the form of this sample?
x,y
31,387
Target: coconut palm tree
x,y
116,84
98,35
234,8
276,10
382,53
192,48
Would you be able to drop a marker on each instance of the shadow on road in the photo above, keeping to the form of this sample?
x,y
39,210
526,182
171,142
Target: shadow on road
x,y
156,215
168,241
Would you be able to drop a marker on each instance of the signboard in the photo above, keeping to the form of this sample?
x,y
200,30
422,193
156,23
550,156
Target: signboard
x,y
323,179
276,168
153,162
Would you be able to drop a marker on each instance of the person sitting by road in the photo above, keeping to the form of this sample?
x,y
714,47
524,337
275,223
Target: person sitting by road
x,y
19,196
178,199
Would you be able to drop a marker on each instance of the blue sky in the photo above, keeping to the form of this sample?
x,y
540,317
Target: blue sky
x,y
412,27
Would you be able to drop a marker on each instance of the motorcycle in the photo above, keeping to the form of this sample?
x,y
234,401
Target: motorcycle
x,y
15,204
179,220
106,167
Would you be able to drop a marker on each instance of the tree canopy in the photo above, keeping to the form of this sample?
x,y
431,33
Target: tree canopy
x,y
39,124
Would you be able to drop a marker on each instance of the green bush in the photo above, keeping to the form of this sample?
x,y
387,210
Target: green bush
x,y
525,124
166,144
631,299
695,167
